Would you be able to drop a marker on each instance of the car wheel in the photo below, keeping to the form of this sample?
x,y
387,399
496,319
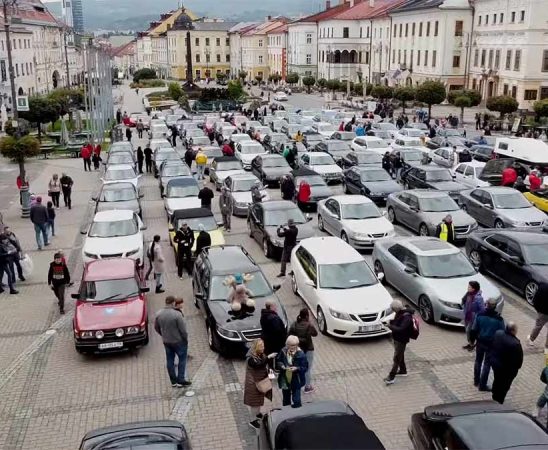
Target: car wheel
x,y
392,215
499,223
423,230
267,248
294,287
344,237
345,188
322,324
530,291
320,223
425,309
212,338
378,268
464,208
475,258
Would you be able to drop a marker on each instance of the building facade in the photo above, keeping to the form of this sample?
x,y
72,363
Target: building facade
x,y
277,51
235,40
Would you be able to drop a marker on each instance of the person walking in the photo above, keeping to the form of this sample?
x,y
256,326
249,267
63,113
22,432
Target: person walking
x,y
543,399
203,240
506,359
483,330
520,185
206,195
39,217
472,304
85,153
54,189
17,259
403,329
189,157
201,161
226,206
58,279
140,126
128,134
96,157
541,306
397,165
257,384
8,253
118,115
227,149
256,194
158,263
289,232
184,238
51,218
287,187
66,188
387,163
273,329
303,196
445,229
292,365
140,159
148,158
305,331
170,324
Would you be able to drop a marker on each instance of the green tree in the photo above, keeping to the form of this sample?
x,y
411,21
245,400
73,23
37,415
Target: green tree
x,y
404,94
242,75
322,82
503,104
292,78
456,98
541,108
175,90
19,149
309,81
144,74
235,90
431,93
41,110
333,85
382,92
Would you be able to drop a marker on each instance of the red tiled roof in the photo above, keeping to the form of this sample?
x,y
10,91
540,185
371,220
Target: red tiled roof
x,y
364,10
126,49
326,14
35,11
281,29
266,27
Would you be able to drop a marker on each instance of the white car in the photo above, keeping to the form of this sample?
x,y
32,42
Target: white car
x,y
252,123
372,143
240,137
194,133
411,132
326,129
468,174
246,151
323,164
263,131
340,289
121,172
355,219
181,193
405,141
121,146
158,130
114,234
155,144
280,96
386,126
227,130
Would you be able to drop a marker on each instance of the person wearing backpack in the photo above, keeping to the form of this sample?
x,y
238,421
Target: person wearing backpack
x,y
404,326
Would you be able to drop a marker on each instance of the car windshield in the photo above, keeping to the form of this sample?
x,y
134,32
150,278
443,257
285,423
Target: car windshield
x,y
118,195
178,191
513,200
121,147
275,162
536,255
251,149
314,180
373,158
439,175
119,174
120,158
339,145
257,285
414,133
376,144
360,211
453,265
413,143
375,175
449,132
213,152
275,217
411,156
244,185
109,290
346,276
175,170
319,160
194,223
383,134
228,165
115,228
438,204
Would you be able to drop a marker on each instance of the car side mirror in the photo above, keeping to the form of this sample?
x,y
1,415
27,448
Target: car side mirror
x,y
276,287
94,199
199,296
144,227
410,269
516,259
488,206
309,282
380,276
75,295
308,217
144,289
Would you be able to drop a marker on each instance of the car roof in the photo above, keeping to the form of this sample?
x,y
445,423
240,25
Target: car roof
x,y
351,199
271,156
523,237
243,176
182,180
330,250
113,215
427,193
498,189
430,168
229,259
118,185
226,159
368,168
110,269
428,246
120,167
369,138
250,143
191,213
272,205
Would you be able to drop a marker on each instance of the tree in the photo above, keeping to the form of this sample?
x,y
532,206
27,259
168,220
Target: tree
x,y
67,99
183,101
19,149
431,93
41,110
541,108
309,81
175,90
333,85
258,78
503,104
456,98
292,78
144,74
242,75
404,94
382,92
322,82
235,90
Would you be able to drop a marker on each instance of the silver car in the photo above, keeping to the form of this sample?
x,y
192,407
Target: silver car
x,y
502,207
432,274
223,167
422,210
239,187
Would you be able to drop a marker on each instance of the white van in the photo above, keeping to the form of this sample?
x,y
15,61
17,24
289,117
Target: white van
x,y
526,150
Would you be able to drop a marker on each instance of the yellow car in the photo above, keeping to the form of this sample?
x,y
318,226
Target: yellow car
x,y
194,217
539,198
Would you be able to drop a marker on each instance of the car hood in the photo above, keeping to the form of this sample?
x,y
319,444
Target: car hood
x,y
449,186
222,174
385,187
319,191
305,231
276,171
134,181
451,289
460,218
362,300
247,158
325,168
174,204
245,197
132,205
531,214
105,316
375,225
108,246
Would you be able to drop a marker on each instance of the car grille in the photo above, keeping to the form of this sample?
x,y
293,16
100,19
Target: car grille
x,y
365,317
534,224
462,229
379,235
251,335
114,255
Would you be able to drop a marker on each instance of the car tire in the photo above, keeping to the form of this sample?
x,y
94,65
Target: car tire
x,y
475,258
499,224
530,291
267,248
425,309
212,338
321,226
294,286
392,215
378,268
423,230
322,323
344,237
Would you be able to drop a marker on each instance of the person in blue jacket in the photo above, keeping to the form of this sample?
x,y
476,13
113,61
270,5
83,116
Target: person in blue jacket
x,y
292,365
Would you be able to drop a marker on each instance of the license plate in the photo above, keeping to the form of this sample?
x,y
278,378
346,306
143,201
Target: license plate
x,y
108,345
369,328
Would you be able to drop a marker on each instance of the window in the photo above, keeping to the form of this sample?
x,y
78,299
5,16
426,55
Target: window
x,y
497,59
501,17
479,20
227,57
393,56
16,69
543,93
456,60
434,55
387,33
545,61
522,16
309,38
418,57
490,65
476,58
530,94
508,59
486,19
14,46
514,91
411,59
207,57
361,33
505,90
494,19
426,57
218,58
395,30
308,59
345,32
405,57
366,57
413,29
483,55
513,17
401,28
458,28
427,29
218,42
197,41
227,42
399,56
517,60
207,42
197,57
406,30
436,26
260,42
420,29
260,59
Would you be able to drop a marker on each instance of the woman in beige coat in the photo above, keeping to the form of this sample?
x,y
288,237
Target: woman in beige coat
x,y
54,189
157,259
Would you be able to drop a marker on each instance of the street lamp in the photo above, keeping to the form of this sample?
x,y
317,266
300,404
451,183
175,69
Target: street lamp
x,y
207,53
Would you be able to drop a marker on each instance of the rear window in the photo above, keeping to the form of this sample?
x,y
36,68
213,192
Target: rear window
x,y
496,165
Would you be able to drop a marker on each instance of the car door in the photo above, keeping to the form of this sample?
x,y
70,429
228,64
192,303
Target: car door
x,y
306,276
256,166
394,266
331,216
437,157
474,204
459,173
352,181
420,179
254,223
402,210
492,252
469,178
413,211
518,276
487,211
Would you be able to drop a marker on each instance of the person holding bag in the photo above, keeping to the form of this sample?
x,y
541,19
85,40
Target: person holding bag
x,y
54,189
292,365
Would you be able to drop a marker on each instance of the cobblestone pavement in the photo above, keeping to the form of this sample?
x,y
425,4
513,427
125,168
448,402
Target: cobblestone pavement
x,y
51,396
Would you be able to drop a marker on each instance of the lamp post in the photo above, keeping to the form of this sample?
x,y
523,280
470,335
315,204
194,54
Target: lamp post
x,y
208,54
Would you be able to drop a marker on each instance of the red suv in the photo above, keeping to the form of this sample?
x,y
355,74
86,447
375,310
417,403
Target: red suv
x,y
111,308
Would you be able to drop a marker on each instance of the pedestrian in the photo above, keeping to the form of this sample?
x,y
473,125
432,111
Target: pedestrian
x,y
287,186
170,324
189,156
148,158
150,260
206,195
520,185
118,115
509,176
201,161
66,187
543,399
8,253
341,126
506,359
258,385
256,194
303,196
54,189
472,304
39,217
360,130
305,331
387,163
58,279
51,218
227,149
292,365
184,238
541,307
85,153
140,159
477,119
483,330
403,327
128,134
534,181
158,263
19,182
289,232
96,159
203,240
446,230
17,259
273,328
226,206
397,165
140,127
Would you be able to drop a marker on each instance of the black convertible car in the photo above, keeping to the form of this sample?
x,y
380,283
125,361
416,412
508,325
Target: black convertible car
x,y
432,177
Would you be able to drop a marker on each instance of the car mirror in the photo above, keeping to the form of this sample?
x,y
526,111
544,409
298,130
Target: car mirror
x,y
143,227
409,269
380,276
309,282
198,296
276,287
75,295
516,259
144,289
488,205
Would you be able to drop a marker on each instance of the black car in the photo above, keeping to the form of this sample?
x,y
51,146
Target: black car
x,y
360,158
517,258
373,182
265,218
227,329
152,435
120,195
337,149
432,177
492,171
409,157
450,141
482,153
318,187
474,425
270,168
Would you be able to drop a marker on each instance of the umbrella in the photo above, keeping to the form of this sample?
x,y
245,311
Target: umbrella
x,y
64,133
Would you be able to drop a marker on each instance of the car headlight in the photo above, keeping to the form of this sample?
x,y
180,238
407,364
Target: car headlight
x,y
99,334
518,223
386,312
340,315
90,255
361,236
474,226
86,334
132,252
132,330
451,305
228,334
119,332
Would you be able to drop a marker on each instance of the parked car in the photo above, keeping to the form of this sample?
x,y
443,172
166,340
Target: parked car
x,y
239,188
154,144
326,129
181,193
355,219
246,151
444,157
122,195
360,158
323,164
194,217
346,136
385,126
411,132
340,289
423,210
122,172
432,177
410,157
318,187
432,274
502,207
121,146
372,143
373,182
212,152
162,154
270,168
447,141
121,157
538,198
406,141
336,148
227,329
482,153
517,258
111,310
311,138
492,171
171,169
223,167
468,173
280,97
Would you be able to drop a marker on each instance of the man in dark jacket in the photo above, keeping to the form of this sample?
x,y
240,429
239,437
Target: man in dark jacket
x,y
203,240
289,233
485,326
287,186
66,188
541,306
184,238
39,217
8,253
274,331
58,278
445,230
189,157
17,258
206,195
506,360
256,194
387,163
148,159
140,159
402,328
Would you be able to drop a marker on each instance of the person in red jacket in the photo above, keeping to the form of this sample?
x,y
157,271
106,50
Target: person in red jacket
x,y
86,152
341,126
534,181
227,149
509,176
303,196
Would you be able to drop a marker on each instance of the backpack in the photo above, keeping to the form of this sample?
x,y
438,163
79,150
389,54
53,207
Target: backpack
x,y
415,330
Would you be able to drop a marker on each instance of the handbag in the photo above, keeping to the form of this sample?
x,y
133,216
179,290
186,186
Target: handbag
x,y
264,386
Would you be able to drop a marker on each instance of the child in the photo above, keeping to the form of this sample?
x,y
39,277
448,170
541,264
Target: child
x,y
51,218
96,159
